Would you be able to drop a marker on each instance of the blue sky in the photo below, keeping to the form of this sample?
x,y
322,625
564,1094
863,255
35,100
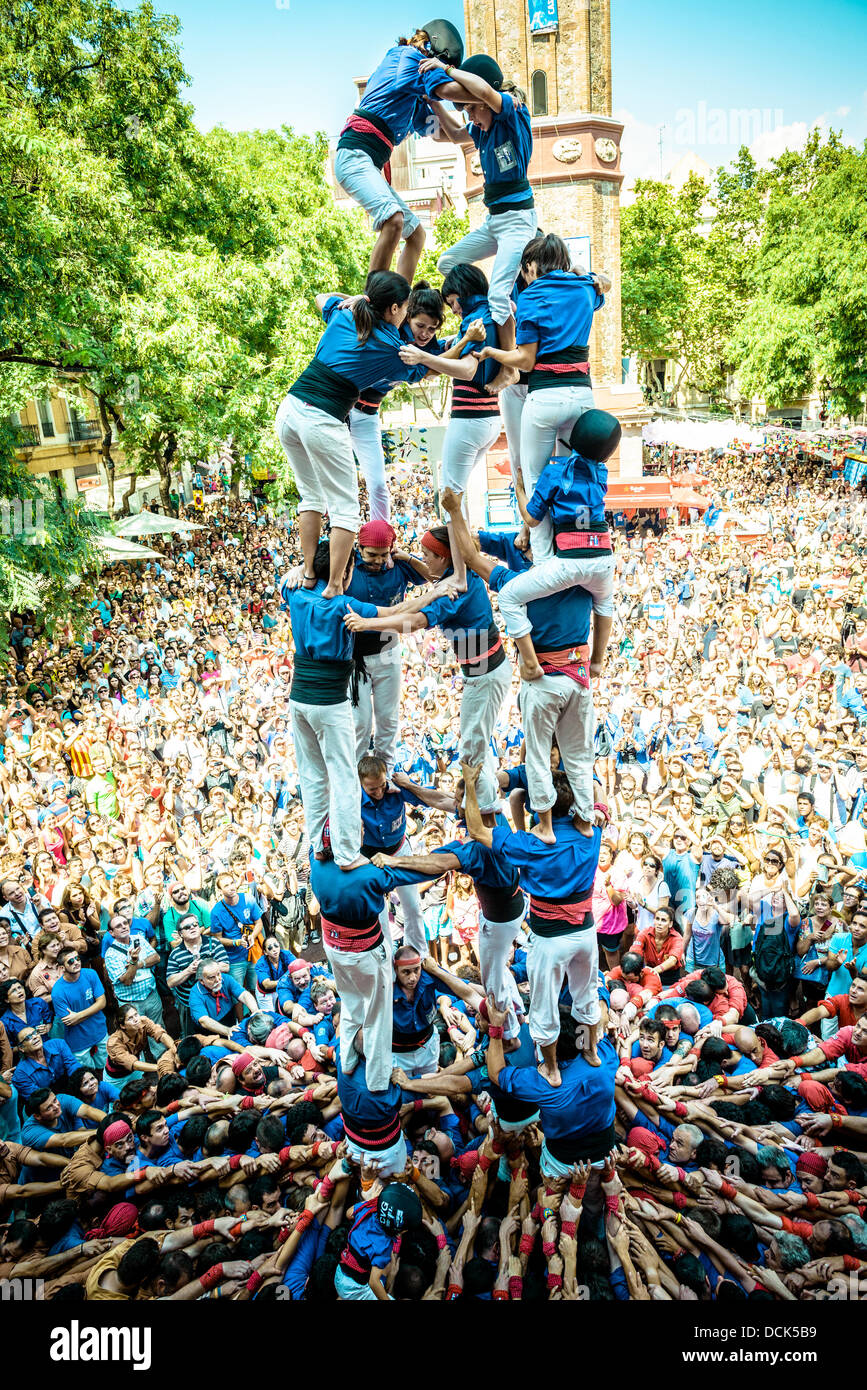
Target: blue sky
x,y
688,67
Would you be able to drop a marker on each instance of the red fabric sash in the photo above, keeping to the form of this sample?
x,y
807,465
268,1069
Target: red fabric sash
x,y
561,912
574,663
583,367
583,540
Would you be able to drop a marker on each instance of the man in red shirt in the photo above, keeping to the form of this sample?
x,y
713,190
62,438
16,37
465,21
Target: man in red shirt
x,y
850,1043
846,1008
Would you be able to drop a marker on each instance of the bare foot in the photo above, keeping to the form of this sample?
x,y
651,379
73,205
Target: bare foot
x,y
356,864
584,827
506,376
551,1074
308,581
530,671
546,836
332,590
592,1056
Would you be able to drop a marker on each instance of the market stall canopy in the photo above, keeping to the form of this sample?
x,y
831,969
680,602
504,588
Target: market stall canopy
x,y
116,548
154,523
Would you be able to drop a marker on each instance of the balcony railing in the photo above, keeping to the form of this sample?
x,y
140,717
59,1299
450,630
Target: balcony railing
x,y
80,430
27,436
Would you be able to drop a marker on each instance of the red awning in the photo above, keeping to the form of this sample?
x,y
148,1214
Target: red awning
x,y
642,492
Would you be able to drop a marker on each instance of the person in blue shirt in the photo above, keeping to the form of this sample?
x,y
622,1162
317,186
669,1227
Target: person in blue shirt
x,y
322,722
468,619
402,95
17,1011
351,905
559,879
576,1108
216,1001
270,967
371,1120
569,500
376,1225
360,347
416,998
381,577
78,1000
235,920
43,1062
499,127
383,822
57,1123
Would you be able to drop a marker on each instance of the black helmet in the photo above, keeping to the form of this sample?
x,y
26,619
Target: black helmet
x,y
480,65
398,1209
595,435
445,41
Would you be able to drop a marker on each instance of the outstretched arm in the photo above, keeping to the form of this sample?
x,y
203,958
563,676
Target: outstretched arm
x,y
482,565
473,816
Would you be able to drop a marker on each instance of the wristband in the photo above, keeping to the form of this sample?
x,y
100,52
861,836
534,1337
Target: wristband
x,y
851,1262
234,1163
548,1249
798,1061
304,1220
453,1291
314,1152
247,1103
285,1154
576,1192
500,1295
680,1110
812,1200
516,1286
728,1190
307,1093
526,1243
555,1281
680,1200
495,1031
204,1228
283,1236
255,1281
139,1174
325,1189
836,1121
567,1228
498,1147
442,1243
211,1277
236,1230
612,1204
485,1162
418,1104
173,1108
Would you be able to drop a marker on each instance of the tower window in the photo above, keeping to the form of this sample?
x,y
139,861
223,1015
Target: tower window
x,y
539,85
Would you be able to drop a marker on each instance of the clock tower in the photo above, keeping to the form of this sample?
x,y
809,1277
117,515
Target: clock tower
x,y
559,53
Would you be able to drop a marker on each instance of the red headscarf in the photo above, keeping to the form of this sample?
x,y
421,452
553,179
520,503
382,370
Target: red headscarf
x,y
119,1220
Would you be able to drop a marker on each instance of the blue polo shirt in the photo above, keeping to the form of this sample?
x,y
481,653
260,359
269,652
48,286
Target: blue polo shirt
x,y
228,922
30,1075
290,993
74,997
359,895
364,364
552,872
477,307
465,617
504,153
37,1012
413,1018
382,588
37,1134
556,311
559,621
384,821
572,490
317,624
583,1103
368,1241
366,1111
267,969
392,92
220,1006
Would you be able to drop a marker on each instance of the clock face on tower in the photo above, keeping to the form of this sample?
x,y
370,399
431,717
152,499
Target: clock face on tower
x,y
606,150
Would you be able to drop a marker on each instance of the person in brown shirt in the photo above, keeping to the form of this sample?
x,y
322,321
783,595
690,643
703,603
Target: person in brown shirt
x,y
15,957
129,1050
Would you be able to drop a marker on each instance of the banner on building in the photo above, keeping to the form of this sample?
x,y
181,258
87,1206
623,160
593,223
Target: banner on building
x,y
543,16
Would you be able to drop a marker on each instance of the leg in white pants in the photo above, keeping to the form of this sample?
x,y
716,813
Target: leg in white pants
x,y
465,445
512,400
379,706
319,450
495,942
365,982
558,706
366,432
546,415
327,770
413,921
549,958
504,235
481,702
422,1060
549,577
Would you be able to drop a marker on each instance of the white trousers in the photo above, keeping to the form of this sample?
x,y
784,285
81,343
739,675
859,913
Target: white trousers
x,y
550,577
319,451
549,959
386,1161
512,401
378,706
558,706
422,1060
495,943
548,414
482,699
413,920
365,983
366,433
465,445
324,737
504,236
